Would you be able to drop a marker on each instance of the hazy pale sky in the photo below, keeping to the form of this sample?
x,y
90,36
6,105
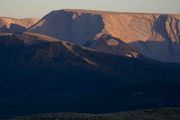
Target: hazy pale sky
x,y
38,8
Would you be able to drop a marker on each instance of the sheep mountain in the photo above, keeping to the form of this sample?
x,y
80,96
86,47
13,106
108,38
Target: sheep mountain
x,y
155,36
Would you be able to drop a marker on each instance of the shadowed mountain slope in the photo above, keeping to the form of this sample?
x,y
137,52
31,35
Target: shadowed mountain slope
x,y
44,74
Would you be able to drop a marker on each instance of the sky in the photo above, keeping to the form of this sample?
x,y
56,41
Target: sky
x,y
39,8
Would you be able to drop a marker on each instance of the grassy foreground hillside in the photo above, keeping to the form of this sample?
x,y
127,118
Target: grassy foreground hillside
x,y
154,114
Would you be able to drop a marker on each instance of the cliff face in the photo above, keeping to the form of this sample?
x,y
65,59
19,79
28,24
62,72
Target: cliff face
x,y
83,27
16,25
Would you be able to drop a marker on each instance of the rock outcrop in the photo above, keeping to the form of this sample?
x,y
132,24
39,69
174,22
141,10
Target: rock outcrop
x,y
83,27
108,44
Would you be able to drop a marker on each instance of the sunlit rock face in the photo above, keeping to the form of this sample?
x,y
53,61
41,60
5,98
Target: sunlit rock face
x,y
16,25
158,32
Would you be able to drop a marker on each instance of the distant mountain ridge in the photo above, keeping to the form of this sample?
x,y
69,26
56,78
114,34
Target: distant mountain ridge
x,y
153,35
8,24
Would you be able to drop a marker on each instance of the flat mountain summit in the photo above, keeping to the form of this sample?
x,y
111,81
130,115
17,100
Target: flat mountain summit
x,y
153,35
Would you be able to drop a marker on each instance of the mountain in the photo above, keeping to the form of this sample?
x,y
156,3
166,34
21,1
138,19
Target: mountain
x,y
45,74
8,24
153,35
153,114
